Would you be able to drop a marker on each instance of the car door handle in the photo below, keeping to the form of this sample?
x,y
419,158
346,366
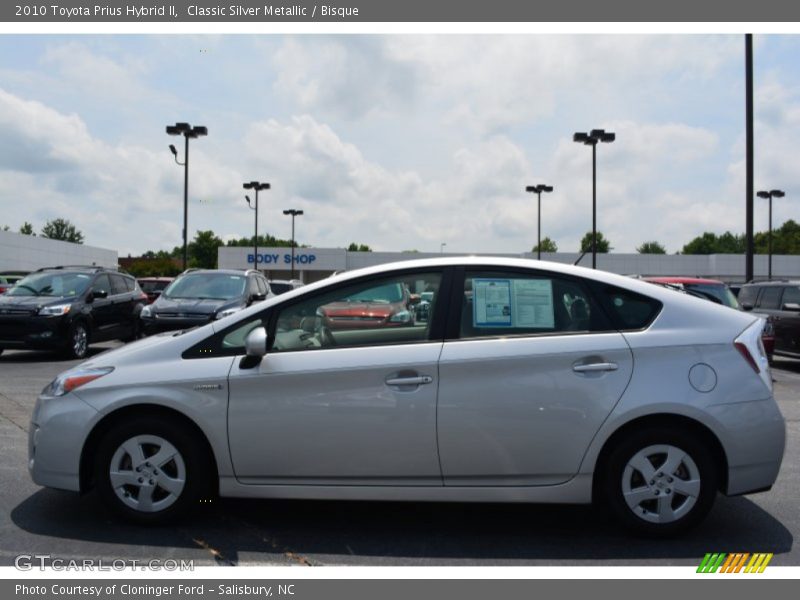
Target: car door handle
x,y
594,367
418,380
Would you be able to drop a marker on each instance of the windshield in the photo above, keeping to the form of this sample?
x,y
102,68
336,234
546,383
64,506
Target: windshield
x,y
385,294
719,291
52,284
206,286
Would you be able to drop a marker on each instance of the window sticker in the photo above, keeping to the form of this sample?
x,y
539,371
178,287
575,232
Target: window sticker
x,y
513,303
533,303
491,305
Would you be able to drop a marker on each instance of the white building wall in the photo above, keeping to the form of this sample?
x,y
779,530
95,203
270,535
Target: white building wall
x,y
27,253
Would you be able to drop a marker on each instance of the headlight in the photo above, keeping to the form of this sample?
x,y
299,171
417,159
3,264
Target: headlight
x,y
146,312
228,312
72,380
403,316
55,311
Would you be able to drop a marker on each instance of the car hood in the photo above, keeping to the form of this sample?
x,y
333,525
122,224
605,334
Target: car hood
x,y
193,305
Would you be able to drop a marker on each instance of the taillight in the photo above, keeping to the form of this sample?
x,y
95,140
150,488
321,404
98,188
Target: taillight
x,y
747,356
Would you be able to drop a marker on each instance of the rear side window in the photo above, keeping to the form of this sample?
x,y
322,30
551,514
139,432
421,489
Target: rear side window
x,y
497,304
118,285
629,309
791,295
770,297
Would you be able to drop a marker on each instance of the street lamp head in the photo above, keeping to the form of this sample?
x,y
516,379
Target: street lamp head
x,y
263,186
199,130
178,128
597,133
287,212
762,194
547,188
580,137
777,193
173,150
248,200
608,137
531,188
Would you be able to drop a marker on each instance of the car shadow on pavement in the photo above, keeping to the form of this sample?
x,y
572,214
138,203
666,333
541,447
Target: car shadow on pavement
x,y
395,533
40,356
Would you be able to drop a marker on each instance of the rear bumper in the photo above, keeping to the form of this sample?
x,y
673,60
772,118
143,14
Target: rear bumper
x,y
753,435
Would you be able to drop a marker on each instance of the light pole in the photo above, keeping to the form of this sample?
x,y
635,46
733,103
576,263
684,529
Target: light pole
x,y
257,186
770,194
294,213
441,247
591,139
187,131
538,189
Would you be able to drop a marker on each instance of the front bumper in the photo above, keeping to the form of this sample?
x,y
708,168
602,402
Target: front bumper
x,y
58,431
33,332
158,324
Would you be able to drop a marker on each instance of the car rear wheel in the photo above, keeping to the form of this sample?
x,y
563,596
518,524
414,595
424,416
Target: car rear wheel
x,y
660,482
78,342
151,470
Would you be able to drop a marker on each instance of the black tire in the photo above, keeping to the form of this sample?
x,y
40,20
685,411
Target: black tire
x,y
137,332
196,466
74,349
687,510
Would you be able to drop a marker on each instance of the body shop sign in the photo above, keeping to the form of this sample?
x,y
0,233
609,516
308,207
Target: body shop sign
x,y
282,259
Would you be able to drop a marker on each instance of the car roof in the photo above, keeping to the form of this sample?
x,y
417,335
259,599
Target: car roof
x,y
774,282
698,280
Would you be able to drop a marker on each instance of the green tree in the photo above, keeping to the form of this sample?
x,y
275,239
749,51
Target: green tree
x,y
353,247
603,245
62,229
711,243
785,239
27,229
548,245
651,248
203,250
6,228
154,267
264,241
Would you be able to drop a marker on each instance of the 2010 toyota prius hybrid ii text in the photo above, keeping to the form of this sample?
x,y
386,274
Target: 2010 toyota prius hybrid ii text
x,y
525,381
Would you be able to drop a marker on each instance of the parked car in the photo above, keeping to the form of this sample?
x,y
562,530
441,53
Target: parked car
x,y
68,308
779,303
715,291
153,286
199,296
530,382
281,286
9,279
391,305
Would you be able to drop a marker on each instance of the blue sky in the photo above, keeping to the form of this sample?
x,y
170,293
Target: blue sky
x,y
397,141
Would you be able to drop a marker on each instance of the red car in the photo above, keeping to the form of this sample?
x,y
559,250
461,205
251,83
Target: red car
x,y
715,291
153,286
390,305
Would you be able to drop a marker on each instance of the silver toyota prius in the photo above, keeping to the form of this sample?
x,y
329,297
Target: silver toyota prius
x,y
520,381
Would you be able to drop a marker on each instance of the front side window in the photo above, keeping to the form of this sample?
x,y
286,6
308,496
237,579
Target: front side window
x,y
770,298
500,304
372,313
102,284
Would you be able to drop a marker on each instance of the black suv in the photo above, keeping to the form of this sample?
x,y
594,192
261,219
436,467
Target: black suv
x,y
779,302
68,308
199,296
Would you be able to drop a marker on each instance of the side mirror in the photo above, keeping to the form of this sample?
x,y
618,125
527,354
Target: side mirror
x,y
257,297
747,306
792,306
98,294
255,347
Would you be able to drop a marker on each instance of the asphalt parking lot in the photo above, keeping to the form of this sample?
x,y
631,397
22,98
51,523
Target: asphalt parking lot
x,y
34,520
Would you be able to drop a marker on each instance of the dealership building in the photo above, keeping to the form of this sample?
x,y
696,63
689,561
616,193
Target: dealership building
x,y
20,252
313,264
27,253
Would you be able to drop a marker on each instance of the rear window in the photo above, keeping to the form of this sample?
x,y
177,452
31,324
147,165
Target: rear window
x,y
714,292
630,310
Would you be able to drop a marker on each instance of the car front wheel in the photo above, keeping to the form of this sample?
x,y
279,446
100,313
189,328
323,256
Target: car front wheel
x,y
78,342
660,482
151,470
